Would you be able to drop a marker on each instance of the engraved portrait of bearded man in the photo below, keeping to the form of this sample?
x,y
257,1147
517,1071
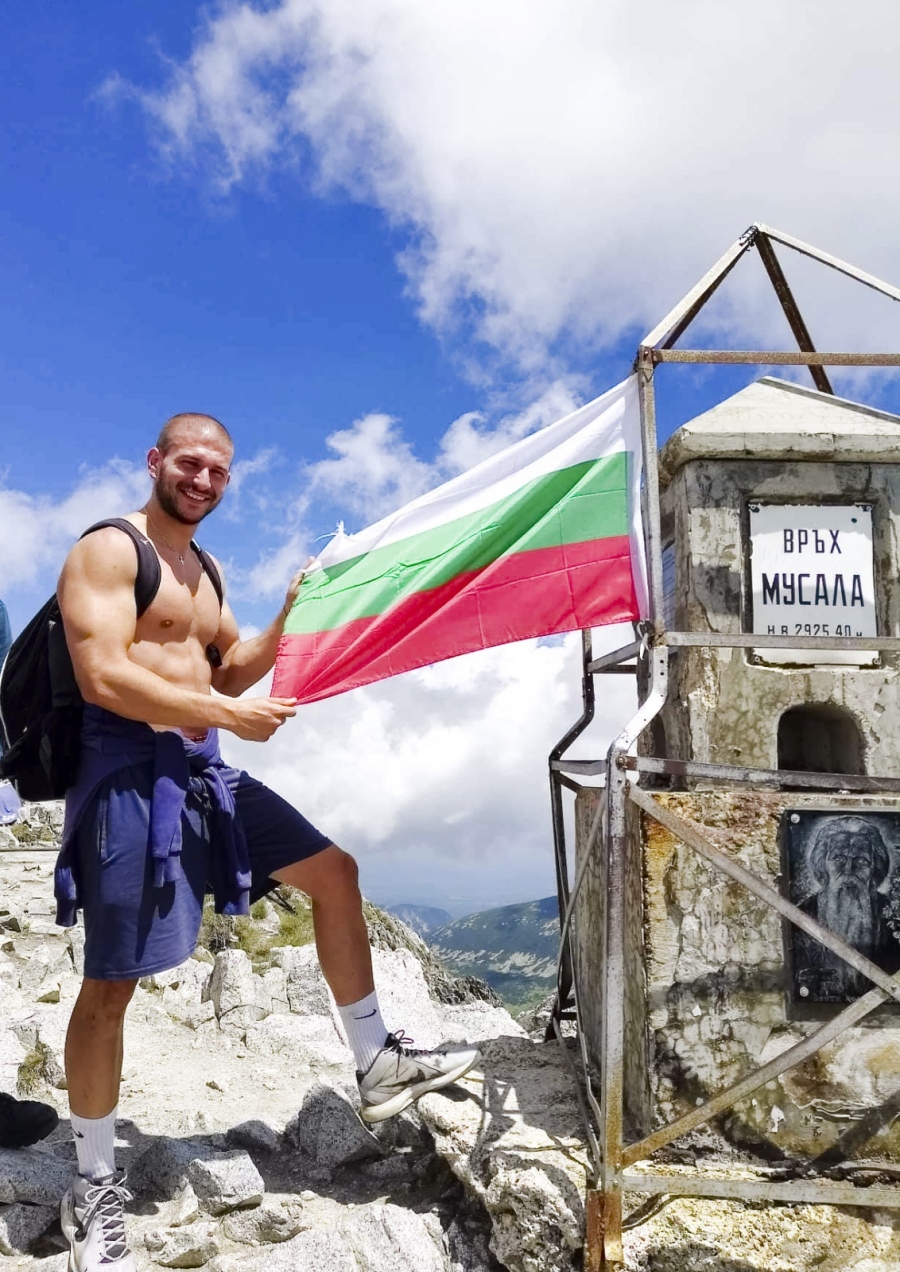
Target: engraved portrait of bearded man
x,y
849,861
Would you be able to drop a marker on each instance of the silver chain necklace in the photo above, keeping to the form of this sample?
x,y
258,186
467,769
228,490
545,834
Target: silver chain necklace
x,y
180,555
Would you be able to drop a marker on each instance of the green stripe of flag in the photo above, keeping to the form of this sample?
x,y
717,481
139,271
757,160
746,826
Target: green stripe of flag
x,y
570,505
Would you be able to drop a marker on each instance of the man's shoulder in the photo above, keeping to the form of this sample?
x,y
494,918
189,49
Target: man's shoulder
x,y
105,552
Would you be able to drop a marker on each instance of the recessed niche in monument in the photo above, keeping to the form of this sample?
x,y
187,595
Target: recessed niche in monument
x,y
842,869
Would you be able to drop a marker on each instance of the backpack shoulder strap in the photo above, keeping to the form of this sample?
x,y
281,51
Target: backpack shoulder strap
x,y
211,570
149,571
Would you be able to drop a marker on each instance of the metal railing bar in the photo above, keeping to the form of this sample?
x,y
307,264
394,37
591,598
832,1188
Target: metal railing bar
x,y
588,767
759,776
752,640
691,834
833,262
776,357
679,318
612,1004
801,1051
615,656
652,526
564,977
568,783
791,309
810,1192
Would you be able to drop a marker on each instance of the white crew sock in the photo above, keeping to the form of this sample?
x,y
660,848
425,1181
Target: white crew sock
x,y
365,1029
95,1144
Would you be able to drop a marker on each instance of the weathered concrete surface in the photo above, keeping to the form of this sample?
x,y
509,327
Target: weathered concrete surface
x,y
723,707
775,419
704,987
704,979
710,1004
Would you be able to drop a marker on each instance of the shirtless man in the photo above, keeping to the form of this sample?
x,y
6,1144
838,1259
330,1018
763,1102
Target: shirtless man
x,y
156,819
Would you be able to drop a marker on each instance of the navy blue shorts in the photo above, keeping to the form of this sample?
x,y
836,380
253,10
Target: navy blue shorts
x,y
133,929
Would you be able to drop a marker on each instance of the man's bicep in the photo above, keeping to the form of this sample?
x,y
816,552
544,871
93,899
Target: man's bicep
x,y
96,598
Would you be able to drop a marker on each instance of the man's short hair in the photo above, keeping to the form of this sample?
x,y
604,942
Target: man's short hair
x,y
165,439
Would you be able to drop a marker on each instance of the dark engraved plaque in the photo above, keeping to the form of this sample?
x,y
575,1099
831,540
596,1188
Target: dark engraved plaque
x,y
842,869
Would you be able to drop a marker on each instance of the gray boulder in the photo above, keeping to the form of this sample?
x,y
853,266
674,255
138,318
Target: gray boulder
x,y
274,990
370,1238
254,1134
188,1247
328,1131
21,1224
33,1175
12,1053
74,937
233,991
162,1170
226,1182
307,992
525,1160
404,998
267,1225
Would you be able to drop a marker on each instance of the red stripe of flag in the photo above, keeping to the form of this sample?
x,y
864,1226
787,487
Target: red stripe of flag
x,y
523,595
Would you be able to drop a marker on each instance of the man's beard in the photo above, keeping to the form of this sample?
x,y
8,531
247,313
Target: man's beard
x,y
167,497
849,907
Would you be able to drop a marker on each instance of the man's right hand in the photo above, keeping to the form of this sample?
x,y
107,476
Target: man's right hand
x,y
256,719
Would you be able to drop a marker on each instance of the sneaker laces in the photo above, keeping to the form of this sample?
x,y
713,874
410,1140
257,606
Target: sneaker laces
x,y
399,1042
106,1203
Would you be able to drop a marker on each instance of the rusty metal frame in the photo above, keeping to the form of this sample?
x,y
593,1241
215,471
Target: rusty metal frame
x,y
614,1160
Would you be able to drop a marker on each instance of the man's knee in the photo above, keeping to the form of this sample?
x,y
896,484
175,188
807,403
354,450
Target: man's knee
x,y
340,872
331,873
105,999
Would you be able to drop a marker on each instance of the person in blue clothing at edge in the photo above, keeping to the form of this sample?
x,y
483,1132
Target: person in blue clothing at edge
x,y
22,1122
156,818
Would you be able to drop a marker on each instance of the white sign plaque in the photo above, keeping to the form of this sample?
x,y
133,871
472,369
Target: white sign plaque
x,y
812,573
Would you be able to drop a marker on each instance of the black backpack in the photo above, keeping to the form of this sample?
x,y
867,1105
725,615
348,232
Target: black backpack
x,y
40,702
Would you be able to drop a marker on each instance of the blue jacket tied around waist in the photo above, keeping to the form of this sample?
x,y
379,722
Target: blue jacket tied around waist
x,y
110,743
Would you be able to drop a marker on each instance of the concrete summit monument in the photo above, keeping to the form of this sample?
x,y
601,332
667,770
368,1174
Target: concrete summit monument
x,y
811,485
732,909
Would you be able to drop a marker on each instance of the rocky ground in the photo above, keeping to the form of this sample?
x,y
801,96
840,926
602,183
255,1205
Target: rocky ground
x,y
238,1116
239,1127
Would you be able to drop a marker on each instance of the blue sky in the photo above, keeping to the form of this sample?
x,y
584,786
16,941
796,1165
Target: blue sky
x,y
136,293
376,240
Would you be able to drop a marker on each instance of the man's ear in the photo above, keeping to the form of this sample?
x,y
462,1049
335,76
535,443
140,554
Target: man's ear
x,y
154,455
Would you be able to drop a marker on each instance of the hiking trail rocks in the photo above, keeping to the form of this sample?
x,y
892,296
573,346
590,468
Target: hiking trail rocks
x,y
238,1118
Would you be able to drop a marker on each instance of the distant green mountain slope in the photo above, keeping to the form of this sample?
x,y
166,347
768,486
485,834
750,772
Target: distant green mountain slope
x,y
423,919
513,948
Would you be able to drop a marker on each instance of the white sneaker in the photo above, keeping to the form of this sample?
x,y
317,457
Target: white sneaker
x,y
399,1074
93,1222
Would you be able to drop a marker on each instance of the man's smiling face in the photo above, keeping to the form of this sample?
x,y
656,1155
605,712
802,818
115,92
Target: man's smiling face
x,y
191,474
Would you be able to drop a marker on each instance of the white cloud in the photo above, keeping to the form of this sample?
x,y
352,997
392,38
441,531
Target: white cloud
x,y
470,439
244,483
38,532
566,170
269,576
375,469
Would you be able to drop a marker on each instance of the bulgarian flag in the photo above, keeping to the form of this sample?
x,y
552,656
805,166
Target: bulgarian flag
x,y
542,537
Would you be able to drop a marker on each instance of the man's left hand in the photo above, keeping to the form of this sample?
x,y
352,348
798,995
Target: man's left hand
x,y
294,588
